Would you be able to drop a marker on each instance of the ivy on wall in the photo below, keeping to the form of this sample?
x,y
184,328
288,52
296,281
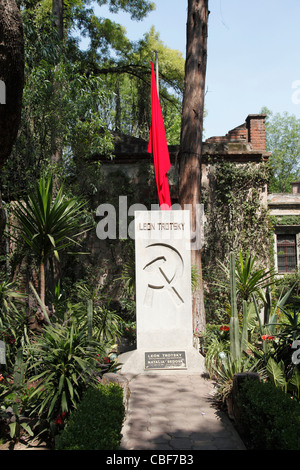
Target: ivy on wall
x,y
286,219
236,220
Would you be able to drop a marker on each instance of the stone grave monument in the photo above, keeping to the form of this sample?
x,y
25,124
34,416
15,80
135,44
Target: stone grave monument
x,y
163,295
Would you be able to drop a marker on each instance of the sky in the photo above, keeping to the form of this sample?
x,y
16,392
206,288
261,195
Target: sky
x,y
253,55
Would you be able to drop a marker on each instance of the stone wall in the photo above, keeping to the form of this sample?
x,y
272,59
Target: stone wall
x,y
243,144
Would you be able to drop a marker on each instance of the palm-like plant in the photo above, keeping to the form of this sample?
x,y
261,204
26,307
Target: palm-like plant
x,y
250,279
48,223
64,362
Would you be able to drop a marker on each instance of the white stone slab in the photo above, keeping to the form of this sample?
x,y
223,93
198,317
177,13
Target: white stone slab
x,y
163,287
163,280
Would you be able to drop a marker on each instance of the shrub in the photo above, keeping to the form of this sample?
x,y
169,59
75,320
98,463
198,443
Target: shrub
x,y
270,418
97,422
65,364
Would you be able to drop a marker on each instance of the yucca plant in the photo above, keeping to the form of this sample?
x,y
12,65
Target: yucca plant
x,y
250,279
48,223
62,363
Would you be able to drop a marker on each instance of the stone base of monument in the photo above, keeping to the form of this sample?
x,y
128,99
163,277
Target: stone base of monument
x,y
181,361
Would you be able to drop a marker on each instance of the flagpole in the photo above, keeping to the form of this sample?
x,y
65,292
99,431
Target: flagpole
x,y
156,67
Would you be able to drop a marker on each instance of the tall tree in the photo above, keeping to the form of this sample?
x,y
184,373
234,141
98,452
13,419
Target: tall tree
x,y
12,82
191,135
58,13
74,96
11,74
283,141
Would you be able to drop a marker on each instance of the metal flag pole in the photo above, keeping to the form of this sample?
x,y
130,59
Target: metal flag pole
x,y
156,67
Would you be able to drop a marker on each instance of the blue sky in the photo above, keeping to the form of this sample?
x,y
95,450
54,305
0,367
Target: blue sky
x,y
253,55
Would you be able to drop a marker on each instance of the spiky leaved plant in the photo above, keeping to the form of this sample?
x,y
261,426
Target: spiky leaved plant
x,y
48,223
235,348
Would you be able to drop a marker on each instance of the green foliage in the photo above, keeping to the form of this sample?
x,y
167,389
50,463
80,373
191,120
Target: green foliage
x,y
48,223
17,426
283,366
269,417
105,326
216,350
235,346
290,324
237,222
270,353
73,98
287,382
63,110
14,398
72,101
195,276
62,363
97,423
12,319
228,368
129,331
286,219
282,140
9,296
233,357
251,280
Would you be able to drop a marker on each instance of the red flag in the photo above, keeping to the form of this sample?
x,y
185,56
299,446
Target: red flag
x,y
158,147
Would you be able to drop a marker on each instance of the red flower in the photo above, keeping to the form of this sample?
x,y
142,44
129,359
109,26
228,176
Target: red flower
x,y
106,360
224,328
60,418
267,338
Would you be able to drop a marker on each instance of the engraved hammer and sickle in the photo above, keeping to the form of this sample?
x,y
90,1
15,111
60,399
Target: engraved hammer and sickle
x,y
164,269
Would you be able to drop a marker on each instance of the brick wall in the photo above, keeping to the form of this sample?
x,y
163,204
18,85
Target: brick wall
x,y
252,131
255,124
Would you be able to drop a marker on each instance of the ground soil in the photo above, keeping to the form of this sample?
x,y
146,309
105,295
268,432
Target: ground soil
x,y
25,444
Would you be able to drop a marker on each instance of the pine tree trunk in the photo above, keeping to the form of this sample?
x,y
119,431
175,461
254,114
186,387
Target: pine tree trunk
x,y
191,134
